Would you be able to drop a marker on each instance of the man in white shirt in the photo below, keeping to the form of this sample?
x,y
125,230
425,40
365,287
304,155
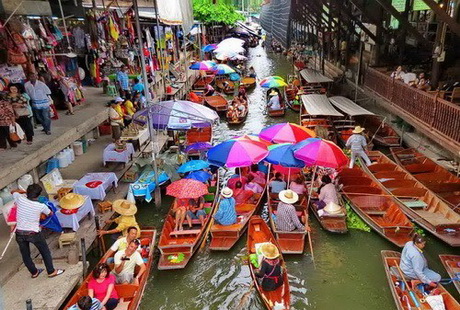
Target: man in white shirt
x,y
126,262
274,103
29,211
122,243
358,146
39,95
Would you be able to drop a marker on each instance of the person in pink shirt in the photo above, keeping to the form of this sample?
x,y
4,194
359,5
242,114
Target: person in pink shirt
x,y
102,286
259,176
253,186
326,193
298,186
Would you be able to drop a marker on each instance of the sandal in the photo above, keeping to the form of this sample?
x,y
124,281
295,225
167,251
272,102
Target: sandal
x,y
39,270
58,272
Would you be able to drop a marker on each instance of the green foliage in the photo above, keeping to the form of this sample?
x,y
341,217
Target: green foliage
x,y
207,12
353,220
419,231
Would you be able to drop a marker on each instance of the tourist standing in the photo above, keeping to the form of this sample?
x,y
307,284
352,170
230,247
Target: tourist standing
x,y
40,94
20,103
29,211
7,118
358,146
123,82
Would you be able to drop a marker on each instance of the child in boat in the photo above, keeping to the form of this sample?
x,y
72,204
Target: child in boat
x,y
226,214
195,211
87,303
270,271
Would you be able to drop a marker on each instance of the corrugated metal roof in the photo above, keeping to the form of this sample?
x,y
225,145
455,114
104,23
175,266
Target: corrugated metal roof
x,y
348,107
316,104
312,76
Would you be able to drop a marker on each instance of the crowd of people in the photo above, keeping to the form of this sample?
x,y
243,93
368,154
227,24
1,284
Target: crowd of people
x,y
411,79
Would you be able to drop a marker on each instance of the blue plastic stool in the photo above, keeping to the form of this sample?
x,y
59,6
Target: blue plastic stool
x,y
52,163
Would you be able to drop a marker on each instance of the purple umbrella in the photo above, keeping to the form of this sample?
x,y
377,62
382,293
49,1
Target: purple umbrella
x,y
198,146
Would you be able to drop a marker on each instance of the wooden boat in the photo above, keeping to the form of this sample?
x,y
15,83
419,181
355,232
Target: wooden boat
x,y
259,233
130,294
199,93
414,199
248,82
317,114
452,265
437,178
240,119
290,242
379,210
223,238
201,82
216,102
401,297
230,89
383,134
194,135
313,82
279,112
174,244
334,223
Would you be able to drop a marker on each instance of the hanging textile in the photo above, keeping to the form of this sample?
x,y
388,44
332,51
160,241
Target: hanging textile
x,y
176,12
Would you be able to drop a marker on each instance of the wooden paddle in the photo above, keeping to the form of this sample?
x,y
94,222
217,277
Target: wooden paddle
x,y
211,221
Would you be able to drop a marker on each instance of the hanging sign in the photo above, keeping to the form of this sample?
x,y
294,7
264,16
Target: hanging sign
x,y
420,5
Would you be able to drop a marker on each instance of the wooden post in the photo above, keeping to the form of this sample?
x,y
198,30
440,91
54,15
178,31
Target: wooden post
x,y
439,43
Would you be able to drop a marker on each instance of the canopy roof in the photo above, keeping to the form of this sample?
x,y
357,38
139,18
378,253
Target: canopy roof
x,y
316,104
348,107
312,76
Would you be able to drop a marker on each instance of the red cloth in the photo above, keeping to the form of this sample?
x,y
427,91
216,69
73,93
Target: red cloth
x,y
231,182
242,195
100,289
194,97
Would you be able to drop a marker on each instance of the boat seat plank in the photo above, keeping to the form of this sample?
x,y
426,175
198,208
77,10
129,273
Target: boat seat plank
x,y
414,203
375,212
435,219
185,232
123,305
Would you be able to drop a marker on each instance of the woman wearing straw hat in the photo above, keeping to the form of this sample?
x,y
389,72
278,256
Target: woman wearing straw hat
x,y
270,270
226,214
127,210
274,102
286,216
358,145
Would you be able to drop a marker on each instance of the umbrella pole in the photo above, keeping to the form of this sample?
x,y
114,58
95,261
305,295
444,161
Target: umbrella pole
x,y
8,243
289,176
311,185
308,204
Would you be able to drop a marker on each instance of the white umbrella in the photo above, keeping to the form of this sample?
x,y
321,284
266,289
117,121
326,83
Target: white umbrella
x,y
231,42
229,49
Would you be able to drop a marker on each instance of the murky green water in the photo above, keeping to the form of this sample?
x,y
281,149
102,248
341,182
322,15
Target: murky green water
x,y
348,274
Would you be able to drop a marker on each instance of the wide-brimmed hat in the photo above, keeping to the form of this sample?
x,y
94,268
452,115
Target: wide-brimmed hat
x,y
227,192
273,93
358,129
118,99
332,208
288,196
269,250
71,201
124,207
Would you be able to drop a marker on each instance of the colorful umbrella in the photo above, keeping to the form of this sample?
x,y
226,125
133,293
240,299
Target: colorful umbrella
x,y
253,138
234,76
273,77
270,83
283,154
286,171
320,152
176,115
237,153
187,188
198,146
286,133
201,176
209,47
203,65
223,69
193,165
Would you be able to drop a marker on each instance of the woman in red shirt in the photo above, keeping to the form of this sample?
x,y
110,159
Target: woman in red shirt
x,y
102,286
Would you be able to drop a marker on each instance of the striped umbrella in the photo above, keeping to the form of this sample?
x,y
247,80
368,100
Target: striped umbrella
x,y
223,69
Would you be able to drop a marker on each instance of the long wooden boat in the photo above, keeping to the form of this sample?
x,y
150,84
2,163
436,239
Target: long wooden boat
x,y
224,237
281,111
334,223
437,178
402,297
414,199
259,233
130,294
201,82
216,102
378,209
313,82
184,243
381,131
241,118
248,82
194,135
452,265
230,89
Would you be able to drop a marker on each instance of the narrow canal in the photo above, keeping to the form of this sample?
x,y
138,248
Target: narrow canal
x,y
348,274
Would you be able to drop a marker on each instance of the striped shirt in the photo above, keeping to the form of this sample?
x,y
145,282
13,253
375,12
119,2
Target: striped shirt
x,y
356,142
226,215
38,93
28,213
286,218
123,79
96,305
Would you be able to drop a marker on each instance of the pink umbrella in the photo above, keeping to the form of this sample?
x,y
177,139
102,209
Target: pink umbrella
x,y
286,133
320,152
237,153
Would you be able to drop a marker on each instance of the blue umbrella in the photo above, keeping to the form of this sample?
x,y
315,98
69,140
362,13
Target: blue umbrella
x,y
198,146
234,76
193,165
201,176
283,154
209,47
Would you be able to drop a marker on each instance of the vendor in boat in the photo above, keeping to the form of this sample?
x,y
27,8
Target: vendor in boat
x,y
327,193
252,72
298,186
196,211
237,177
226,214
277,184
242,94
259,176
208,90
358,145
232,113
127,210
253,186
286,216
180,208
242,195
414,264
270,271
274,102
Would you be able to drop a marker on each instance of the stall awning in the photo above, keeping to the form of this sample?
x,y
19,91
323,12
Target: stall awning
x,y
348,107
319,105
312,76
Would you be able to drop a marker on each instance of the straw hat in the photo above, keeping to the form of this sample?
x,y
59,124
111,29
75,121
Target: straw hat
x,y
288,196
124,207
333,208
358,129
227,192
71,201
273,93
270,251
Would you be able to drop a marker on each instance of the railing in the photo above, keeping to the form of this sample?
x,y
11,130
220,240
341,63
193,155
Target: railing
x,y
428,109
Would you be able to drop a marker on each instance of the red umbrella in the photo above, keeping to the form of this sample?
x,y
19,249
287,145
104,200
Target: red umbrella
x,y
286,133
187,188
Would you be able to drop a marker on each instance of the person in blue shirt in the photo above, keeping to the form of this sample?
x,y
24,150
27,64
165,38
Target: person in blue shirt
x,y
277,184
414,264
226,214
123,82
138,86
87,303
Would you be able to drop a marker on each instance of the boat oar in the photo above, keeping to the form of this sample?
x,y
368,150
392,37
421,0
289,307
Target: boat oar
x,y
13,233
211,222
375,133
412,294
307,228
449,280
